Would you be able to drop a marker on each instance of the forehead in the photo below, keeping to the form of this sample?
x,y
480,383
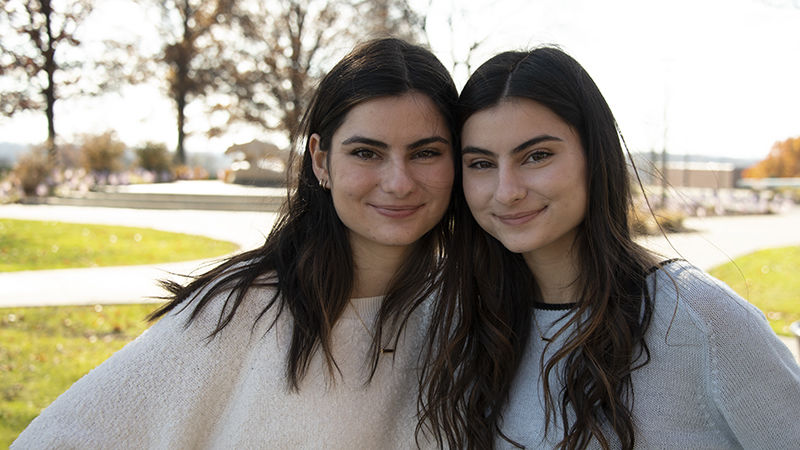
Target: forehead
x,y
402,118
511,122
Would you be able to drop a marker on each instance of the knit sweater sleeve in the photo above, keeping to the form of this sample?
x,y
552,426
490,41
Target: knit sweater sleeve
x,y
754,379
159,391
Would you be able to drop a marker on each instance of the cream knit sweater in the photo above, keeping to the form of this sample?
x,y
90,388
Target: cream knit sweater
x,y
173,389
719,378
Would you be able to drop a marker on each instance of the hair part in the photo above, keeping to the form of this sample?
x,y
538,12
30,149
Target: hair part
x,y
494,304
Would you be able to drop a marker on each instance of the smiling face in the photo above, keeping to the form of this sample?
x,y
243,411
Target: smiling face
x,y
390,171
525,178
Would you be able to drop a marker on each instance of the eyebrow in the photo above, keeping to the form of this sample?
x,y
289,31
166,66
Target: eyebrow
x,y
517,149
376,143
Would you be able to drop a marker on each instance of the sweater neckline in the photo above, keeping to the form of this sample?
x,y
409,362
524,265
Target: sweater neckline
x,y
554,306
568,306
366,306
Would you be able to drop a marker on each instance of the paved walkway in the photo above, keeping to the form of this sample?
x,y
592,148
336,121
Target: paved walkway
x,y
124,284
715,240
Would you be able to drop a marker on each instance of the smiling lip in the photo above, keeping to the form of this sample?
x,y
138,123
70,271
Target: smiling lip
x,y
396,212
518,218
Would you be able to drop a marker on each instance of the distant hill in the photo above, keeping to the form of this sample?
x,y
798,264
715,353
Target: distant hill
x,y
10,152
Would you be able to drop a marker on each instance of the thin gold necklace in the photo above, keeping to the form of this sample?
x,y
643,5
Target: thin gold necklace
x,y
539,329
384,350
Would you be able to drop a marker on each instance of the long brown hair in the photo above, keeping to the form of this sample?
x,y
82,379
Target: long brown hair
x,y
307,255
484,325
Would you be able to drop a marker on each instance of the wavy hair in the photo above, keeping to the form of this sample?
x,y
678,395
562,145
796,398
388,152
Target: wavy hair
x,y
307,256
485,323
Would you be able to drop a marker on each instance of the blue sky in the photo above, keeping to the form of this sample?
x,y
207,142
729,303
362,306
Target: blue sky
x,y
711,77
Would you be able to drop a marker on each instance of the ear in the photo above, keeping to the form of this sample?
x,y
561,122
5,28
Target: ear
x,y
319,158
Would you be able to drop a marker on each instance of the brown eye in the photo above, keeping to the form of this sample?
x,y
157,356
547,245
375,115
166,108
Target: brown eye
x,y
538,156
480,164
426,154
364,153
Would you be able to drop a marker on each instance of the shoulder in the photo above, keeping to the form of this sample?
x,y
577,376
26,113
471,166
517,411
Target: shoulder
x,y
172,371
700,323
693,309
678,287
221,301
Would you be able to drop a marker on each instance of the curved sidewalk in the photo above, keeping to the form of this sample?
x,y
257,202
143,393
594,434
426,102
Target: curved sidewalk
x,y
122,284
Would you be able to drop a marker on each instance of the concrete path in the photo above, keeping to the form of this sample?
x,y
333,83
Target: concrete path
x,y
715,240
718,240
124,284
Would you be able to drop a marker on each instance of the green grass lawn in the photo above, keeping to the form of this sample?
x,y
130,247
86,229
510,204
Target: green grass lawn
x,y
35,245
768,279
44,350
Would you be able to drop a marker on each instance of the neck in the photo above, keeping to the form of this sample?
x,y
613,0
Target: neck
x,y
375,269
556,275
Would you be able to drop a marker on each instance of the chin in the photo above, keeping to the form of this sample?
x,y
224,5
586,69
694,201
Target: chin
x,y
515,246
518,249
399,241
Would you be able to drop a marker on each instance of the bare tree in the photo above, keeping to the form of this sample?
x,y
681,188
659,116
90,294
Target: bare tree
x,y
392,18
287,46
462,52
35,37
193,53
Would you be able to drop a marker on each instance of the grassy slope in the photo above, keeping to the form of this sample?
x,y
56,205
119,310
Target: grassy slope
x,y
44,350
768,279
34,245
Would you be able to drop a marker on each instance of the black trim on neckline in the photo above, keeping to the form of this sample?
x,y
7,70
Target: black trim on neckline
x,y
662,264
554,306
568,306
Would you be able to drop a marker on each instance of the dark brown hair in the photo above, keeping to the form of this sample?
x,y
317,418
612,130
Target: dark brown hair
x,y
307,255
485,323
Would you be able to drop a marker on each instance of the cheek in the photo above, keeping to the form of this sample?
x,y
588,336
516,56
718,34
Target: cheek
x,y
478,202
474,190
437,179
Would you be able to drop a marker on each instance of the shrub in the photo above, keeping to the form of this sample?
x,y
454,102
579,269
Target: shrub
x,y
155,157
102,153
671,221
184,172
32,171
643,222
68,156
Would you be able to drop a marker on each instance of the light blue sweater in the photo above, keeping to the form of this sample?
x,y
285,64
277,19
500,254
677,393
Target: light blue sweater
x,y
718,378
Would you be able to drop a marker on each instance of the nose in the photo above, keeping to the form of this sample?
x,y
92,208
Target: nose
x,y
396,179
510,188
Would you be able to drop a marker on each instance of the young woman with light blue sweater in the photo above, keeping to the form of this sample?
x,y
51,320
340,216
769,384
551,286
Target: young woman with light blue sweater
x,y
566,333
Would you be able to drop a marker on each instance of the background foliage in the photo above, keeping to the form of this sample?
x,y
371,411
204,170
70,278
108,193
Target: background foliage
x,y
782,161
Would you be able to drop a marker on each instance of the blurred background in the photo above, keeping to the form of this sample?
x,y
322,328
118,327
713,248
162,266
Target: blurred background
x,y
121,103
132,91
142,139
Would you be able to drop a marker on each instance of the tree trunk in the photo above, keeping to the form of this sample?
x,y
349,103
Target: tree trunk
x,y
50,88
180,154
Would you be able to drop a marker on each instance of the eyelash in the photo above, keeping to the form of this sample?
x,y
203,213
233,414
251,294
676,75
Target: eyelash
x,y
538,155
480,164
363,153
535,156
367,154
426,154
